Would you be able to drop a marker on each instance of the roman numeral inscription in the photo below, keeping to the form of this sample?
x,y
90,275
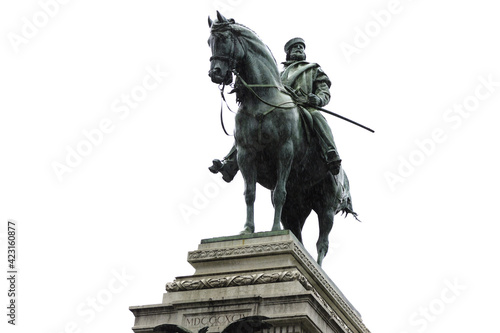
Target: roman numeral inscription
x,y
213,320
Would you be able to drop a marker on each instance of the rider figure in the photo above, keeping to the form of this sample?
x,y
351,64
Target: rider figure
x,y
311,85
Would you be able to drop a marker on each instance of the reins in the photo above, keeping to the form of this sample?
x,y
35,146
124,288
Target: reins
x,y
250,86
223,99
260,117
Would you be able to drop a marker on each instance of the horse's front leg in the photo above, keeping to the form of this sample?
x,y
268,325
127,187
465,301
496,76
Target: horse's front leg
x,y
246,162
285,157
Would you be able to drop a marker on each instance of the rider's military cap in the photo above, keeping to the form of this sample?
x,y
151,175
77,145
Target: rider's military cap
x,y
294,41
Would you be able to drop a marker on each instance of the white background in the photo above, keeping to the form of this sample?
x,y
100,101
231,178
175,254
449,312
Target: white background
x,y
143,197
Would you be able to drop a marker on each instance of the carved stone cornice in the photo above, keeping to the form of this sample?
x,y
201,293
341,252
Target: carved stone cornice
x,y
239,251
253,279
237,280
273,248
330,289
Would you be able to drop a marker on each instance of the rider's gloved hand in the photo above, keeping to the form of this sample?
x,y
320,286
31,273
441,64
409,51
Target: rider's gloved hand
x,y
314,100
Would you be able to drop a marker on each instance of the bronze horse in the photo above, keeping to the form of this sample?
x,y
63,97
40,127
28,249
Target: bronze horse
x,y
274,148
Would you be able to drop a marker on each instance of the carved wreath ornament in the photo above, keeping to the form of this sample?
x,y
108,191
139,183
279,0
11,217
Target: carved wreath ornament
x,y
238,280
245,280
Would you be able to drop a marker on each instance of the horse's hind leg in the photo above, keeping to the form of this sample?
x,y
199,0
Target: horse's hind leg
x,y
325,208
294,214
325,218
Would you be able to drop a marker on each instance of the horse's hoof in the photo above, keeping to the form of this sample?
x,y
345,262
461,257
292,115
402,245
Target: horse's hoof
x,y
321,256
246,231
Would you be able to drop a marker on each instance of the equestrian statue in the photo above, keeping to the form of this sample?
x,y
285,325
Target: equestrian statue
x,y
282,141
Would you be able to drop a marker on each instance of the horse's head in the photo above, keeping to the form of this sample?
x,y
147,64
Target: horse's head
x,y
226,49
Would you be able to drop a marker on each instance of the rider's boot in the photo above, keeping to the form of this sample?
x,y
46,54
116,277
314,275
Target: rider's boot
x,y
228,167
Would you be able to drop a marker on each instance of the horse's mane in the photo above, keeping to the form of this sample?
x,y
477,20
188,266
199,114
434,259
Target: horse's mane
x,y
256,51
253,42
257,41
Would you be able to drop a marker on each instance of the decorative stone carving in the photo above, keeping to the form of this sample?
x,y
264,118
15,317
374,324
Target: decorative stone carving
x,y
238,251
260,278
256,266
245,280
238,280
297,250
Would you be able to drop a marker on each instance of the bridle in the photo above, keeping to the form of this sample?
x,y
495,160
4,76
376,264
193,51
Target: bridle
x,y
230,59
232,62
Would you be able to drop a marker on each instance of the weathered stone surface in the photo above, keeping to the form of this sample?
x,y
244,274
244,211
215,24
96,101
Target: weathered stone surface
x,y
269,275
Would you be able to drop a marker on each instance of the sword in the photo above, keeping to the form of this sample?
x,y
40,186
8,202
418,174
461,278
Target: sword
x,y
302,100
339,116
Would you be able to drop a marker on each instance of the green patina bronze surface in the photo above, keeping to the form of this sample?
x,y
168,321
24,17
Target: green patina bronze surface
x,y
281,141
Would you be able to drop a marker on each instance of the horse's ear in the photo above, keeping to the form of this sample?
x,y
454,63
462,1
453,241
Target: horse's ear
x,y
221,18
210,22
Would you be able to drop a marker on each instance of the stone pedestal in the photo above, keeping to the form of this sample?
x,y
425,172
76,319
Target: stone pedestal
x,y
264,274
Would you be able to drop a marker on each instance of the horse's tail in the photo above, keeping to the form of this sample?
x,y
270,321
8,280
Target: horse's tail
x,y
348,210
343,194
